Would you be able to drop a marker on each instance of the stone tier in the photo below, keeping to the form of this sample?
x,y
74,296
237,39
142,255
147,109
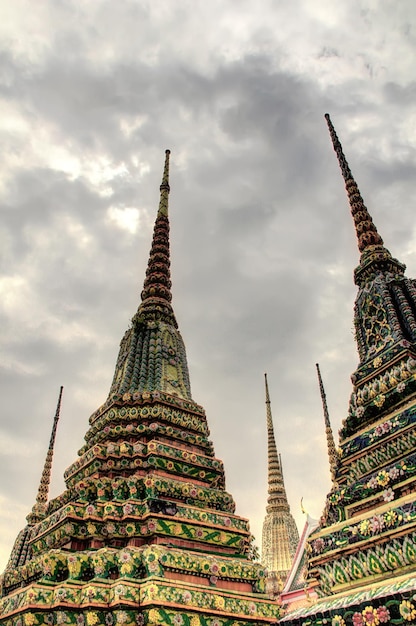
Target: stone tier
x,y
372,545
381,385
141,585
377,465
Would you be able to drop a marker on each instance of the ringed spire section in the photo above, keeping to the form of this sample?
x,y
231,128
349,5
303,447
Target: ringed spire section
x,y
39,508
374,256
280,535
367,234
152,354
332,452
156,295
276,488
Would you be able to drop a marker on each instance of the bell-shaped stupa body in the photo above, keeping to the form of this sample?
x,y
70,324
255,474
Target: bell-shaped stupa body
x,y
145,532
362,559
280,535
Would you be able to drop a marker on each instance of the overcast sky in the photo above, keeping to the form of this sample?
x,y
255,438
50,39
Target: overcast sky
x,y
262,242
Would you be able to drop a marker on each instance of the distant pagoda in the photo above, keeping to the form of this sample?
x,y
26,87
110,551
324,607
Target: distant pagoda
x,y
362,559
145,532
280,535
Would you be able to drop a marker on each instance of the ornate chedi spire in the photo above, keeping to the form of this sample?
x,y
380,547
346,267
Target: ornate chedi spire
x,y
280,535
145,532
156,295
332,452
384,315
21,551
39,508
367,234
362,559
374,256
152,353
276,489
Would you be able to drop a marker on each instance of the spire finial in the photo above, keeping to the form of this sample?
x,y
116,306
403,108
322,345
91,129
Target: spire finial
x,y
39,507
367,234
332,453
267,389
164,187
302,508
156,295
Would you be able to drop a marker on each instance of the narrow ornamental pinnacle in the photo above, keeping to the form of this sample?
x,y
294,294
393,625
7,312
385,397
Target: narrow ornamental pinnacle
x,y
280,535
39,507
367,234
156,295
276,490
332,453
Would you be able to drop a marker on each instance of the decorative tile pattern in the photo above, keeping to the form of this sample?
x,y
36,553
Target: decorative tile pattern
x,y
145,532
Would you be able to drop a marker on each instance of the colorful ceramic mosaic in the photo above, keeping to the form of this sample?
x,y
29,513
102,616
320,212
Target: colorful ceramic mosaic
x,y
367,533
145,532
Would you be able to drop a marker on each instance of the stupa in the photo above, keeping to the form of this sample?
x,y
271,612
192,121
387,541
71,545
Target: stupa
x,y
362,558
280,535
145,532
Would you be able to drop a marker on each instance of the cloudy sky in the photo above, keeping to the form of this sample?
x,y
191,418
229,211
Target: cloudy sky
x,y
263,248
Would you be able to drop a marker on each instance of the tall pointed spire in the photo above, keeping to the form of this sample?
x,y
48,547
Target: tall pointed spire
x,y
373,253
357,558
22,551
145,532
39,507
156,295
332,452
367,234
276,488
152,354
280,535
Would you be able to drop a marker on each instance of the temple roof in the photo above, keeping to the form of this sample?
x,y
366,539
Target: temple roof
x,y
356,598
297,576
